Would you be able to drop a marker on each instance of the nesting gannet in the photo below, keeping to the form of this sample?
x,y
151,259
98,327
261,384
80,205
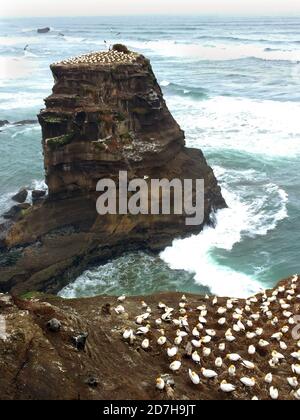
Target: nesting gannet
x,y
197,343
121,298
226,387
296,355
183,298
233,357
145,344
218,362
196,357
269,378
178,340
162,340
211,333
206,339
208,373
283,346
222,321
296,369
285,329
160,384
120,310
263,343
206,352
293,382
274,393
172,351
232,370
175,366
195,332
194,377
297,394
143,330
221,311
277,336
249,382
222,347
128,334
251,350
250,335
248,365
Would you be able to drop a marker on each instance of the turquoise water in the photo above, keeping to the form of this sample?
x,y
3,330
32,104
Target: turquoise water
x,y
234,86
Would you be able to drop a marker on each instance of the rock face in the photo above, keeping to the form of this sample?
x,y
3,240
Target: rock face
x,y
37,362
106,114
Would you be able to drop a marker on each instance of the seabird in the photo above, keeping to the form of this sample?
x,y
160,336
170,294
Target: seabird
x,y
208,373
274,393
160,384
226,387
194,377
175,366
249,382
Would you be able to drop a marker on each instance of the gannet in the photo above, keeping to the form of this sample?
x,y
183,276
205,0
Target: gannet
x,y
296,369
206,339
162,340
296,355
143,330
158,321
222,321
269,378
128,334
209,374
215,301
195,332
172,351
263,343
121,298
285,329
206,352
120,310
183,298
250,382
197,343
196,357
277,336
221,311
293,382
178,340
194,377
211,333
222,346
145,344
232,370
218,362
225,387
259,332
251,350
297,394
175,366
233,357
274,393
160,384
282,345
250,335
248,365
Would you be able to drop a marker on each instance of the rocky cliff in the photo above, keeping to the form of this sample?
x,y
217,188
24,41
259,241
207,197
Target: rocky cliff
x,y
106,114
105,348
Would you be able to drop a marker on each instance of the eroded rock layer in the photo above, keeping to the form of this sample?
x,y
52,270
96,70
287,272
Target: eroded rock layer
x,y
109,348
106,114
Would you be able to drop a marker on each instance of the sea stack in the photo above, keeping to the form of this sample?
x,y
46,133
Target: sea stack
x,y
106,114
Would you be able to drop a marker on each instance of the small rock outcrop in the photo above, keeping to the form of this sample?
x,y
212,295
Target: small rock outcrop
x,y
21,196
43,30
106,114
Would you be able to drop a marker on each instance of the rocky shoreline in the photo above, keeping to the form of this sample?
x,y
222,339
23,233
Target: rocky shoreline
x,y
106,114
130,348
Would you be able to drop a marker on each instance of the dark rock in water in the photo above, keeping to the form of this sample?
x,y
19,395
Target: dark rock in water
x,y
54,325
37,195
16,211
79,341
25,122
21,196
43,30
3,123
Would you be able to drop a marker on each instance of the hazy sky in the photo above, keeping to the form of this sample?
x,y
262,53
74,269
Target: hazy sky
x,y
130,7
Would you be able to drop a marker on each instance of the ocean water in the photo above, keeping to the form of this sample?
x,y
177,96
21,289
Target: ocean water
x,y
234,86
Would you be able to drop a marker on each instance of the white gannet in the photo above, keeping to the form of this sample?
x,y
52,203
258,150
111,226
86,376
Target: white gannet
x,y
172,351
120,310
160,384
293,382
219,362
269,378
222,347
232,370
143,330
226,387
297,394
282,345
274,393
121,298
221,311
251,350
277,336
215,301
250,335
195,332
194,377
197,343
128,334
296,369
249,382
162,340
263,343
211,333
178,340
296,355
247,364
196,357
206,351
145,344
233,357
175,366
208,373
206,339
222,321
